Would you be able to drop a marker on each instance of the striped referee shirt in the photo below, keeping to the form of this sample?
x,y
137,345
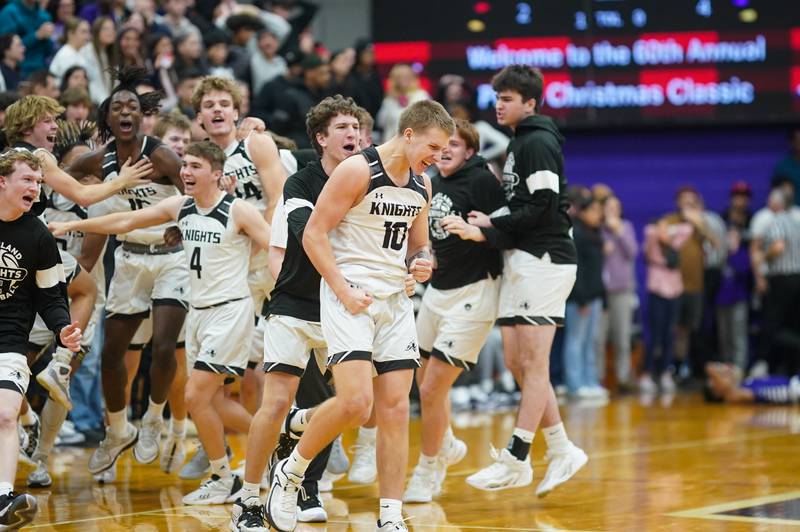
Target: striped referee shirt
x,y
784,227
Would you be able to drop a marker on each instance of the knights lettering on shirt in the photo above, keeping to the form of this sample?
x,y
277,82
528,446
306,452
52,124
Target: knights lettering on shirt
x,y
371,242
218,254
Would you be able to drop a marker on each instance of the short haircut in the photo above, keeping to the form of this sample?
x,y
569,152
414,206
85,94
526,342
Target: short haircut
x,y
524,80
319,117
205,149
217,83
12,157
469,134
365,120
23,115
425,114
173,120
75,96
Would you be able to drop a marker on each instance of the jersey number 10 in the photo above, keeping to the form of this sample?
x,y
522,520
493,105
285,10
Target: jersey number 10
x,y
395,235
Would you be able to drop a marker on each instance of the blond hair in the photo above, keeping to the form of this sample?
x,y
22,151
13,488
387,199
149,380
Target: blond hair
x,y
12,157
23,115
172,120
217,83
425,114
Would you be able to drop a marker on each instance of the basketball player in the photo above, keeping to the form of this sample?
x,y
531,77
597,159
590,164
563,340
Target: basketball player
x,y
460,305
367,231
538,276
725,383
31,281
292,327
147,273
254,165
217,232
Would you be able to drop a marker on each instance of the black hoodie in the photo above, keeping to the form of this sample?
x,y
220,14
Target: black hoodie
x,y
536,190
461,262
296,291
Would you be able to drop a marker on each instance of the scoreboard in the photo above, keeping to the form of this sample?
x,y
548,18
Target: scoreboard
x,y
610,62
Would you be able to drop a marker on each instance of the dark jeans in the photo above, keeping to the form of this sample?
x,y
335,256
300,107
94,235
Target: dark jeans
x,y
313,390
663,316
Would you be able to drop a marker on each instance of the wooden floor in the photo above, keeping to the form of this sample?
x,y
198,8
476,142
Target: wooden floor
x,y
662,465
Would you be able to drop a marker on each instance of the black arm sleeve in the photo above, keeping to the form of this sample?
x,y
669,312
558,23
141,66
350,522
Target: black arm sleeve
x,y
50,296
540,179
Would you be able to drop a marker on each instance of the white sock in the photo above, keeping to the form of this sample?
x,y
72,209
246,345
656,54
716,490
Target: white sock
x,y
391,511
53,416
62,355
556,437
178,427
296,464
28,418
427,462
155,410
299,421
367,434
118,423
221,467
6,488
251,493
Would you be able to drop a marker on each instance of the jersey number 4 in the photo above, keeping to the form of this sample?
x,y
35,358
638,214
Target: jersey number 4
x,y
395,235
194,262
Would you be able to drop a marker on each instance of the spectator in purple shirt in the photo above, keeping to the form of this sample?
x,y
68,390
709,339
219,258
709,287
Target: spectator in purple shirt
x,y
620,249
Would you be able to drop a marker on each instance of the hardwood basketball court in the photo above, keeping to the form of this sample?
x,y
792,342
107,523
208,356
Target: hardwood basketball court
x,y
664,464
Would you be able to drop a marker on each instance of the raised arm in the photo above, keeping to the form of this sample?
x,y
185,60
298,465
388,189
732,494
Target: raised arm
x,y
251,223
167,163
66,184
344,188
267,161
123,222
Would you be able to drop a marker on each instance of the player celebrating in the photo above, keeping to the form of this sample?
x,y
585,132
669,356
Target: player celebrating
x,y
292,327
538,277
31,281
460,305
367,231
148,272
217,232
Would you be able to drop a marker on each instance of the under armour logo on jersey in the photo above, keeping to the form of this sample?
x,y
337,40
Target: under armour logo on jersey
x,y
412,346
449,344
379,195
525,305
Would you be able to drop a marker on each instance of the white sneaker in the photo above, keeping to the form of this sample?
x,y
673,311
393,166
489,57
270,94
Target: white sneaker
x,y
364,469
282,498
561,467
667,383
420,486
215,490
55,379
110,448
325,484
647,385
393,526
506,472
173,454
448,456
310,510
40,477
338,463
146,449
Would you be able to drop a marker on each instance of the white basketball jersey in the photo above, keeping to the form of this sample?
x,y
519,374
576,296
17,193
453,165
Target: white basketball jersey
x,y
239,165
60,209
218,255
138,197
370,244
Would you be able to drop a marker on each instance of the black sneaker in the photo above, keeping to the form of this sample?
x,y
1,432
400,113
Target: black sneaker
x,y
16,510
310,509
287,440
248,518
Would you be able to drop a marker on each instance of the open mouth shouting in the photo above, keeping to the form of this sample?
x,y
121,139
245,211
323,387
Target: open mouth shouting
x,y
29,199
349,148
126,125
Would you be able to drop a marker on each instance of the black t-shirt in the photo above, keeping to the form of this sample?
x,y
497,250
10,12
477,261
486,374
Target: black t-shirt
x,y
296,291
461,262
31,281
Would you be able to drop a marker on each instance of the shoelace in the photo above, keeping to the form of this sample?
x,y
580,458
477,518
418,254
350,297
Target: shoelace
x,y
253,515
288,504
